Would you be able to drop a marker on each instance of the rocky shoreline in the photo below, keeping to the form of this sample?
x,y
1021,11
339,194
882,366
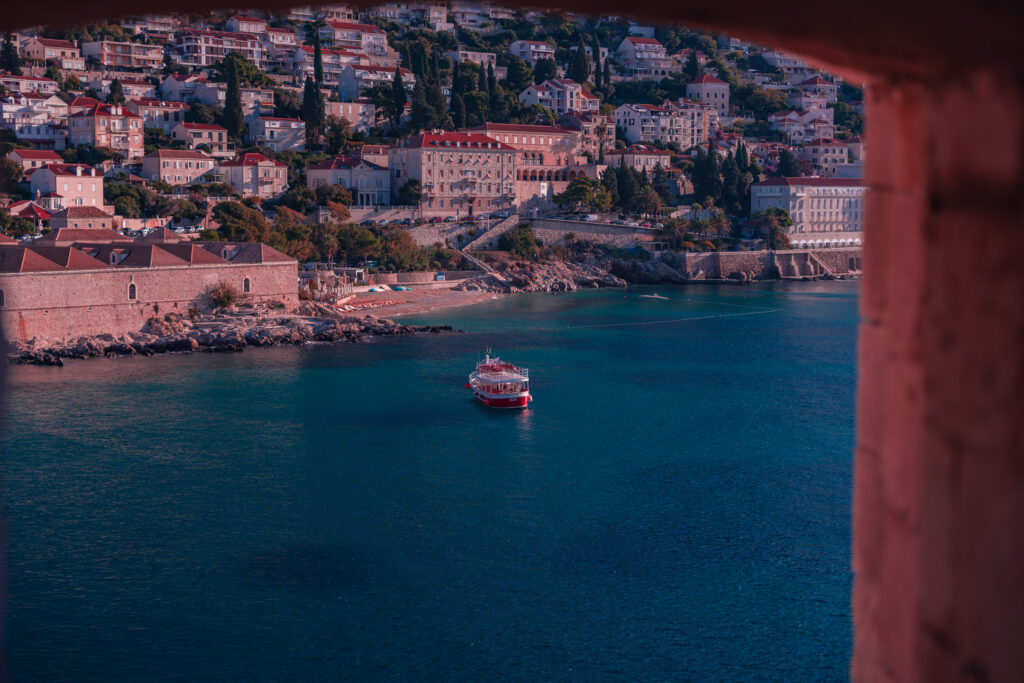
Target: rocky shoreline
x,y
514,277
230,330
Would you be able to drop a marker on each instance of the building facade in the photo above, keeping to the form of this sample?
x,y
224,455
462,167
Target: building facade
x,y
177,166
117,54
712,91
196,135
369,183
825,211
278,133
108,125
357,78
205,47
561,96
459,173
162,114
57,186
254,175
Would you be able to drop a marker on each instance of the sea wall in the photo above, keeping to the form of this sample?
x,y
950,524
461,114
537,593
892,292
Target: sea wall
x,y
741,265
61,305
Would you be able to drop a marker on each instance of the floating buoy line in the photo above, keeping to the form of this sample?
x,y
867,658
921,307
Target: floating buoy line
x,y
637,323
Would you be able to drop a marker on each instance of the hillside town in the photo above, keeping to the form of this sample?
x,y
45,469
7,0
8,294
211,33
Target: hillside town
x,y
402,137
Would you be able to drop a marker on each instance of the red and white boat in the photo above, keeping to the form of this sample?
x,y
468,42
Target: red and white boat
x,y
498,384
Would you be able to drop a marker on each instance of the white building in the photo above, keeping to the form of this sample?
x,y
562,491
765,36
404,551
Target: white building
x,y
711,91
561,95
369,183
685,124
278,133
825,211
531,51
645,58
357,78
204,47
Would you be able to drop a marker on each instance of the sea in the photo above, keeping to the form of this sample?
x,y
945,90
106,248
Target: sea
x,y
674,505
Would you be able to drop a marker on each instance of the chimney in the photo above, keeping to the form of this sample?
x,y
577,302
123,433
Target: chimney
x,y
78,170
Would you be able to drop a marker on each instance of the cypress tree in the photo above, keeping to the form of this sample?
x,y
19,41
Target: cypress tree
x,y
610,180
607,74
423,115
481,84
116,95
595,48
692,67
492,82
714,174
742,162
578,62
318,59
458,111
629,188
788,167
313,111
398,97
10,60
435,98
456,80
732,181
234,118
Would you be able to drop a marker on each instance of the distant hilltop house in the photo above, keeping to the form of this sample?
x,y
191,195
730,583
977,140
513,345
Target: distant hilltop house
x,y
299,62
63,53
819,86
78,281
825,211
366,38
210,135
711,91
361,114
23,84
531,51
683,123
639,158
39,120
162,114
278,133
30,159
645,58
254,175
355,79
124,54
561,96
206,47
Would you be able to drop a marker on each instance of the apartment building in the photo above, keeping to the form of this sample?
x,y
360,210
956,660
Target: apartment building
x,y
597,131
366,38
255,101
804,126
531,51
63,53
682,123
205,47
31,159
58,186
355,79
645,58
361,114
819,86
162,114
254,175
244,24
711,91
827,157
22,84
176,166
459,173
484,59
278,133
432,15
35,119
640,158
299,62
116,54
825,211
195,135
108,125
561,95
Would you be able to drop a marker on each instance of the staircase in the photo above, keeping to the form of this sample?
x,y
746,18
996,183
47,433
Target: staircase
x,y
489,239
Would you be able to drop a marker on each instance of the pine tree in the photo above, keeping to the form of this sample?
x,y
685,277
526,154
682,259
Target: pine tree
x,y
595,48
234,117
398,97
116,95
10,60
318,59
492,82
313,111
458,111
629,187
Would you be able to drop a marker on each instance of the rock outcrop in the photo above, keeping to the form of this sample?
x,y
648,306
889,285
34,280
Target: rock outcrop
x,y
228,331
551,276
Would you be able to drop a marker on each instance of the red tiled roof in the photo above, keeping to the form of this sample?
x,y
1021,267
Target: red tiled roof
x,y
344,162
250,159
37,154
640,149
815,80
209,33
69,169
378,69
4,239
445,140
84,235
203,126
150,102
53,42
814,182
350,26
521,128
83,101
709,79
178,154
643,41
107,110
82,212
68,257
17,259
193,253
247,252
29,210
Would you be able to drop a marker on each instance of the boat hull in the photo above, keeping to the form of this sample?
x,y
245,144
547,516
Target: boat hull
x,y
501,401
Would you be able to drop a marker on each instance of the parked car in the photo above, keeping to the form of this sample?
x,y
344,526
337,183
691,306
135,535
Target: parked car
x,y
502,214
483,217
437,219
659,225
450,219
590,218
419,221
467,219
645,224
368,224
631,224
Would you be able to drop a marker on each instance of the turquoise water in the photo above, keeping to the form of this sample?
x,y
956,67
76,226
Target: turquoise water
x,y
675,505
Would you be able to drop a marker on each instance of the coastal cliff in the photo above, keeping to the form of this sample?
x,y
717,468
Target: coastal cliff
x,y
511,277
226,331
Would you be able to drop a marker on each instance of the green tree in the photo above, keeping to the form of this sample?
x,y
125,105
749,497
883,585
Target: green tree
x,y
287,103
411,193
610,180
492,81
543,70
584,192
313,112
438,103
398,98
595,49
773,223
628,184
318,59
788,166
578,70
481,83
458,111
423,116
234,118
336,134
518,241
116,95
238,221
10,60
692,70
519,75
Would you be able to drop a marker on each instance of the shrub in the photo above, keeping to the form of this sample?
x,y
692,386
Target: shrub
x,y
304,295
223,295
707,246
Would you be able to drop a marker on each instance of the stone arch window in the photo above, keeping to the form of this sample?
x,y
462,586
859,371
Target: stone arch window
x,y
246,286
132,292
